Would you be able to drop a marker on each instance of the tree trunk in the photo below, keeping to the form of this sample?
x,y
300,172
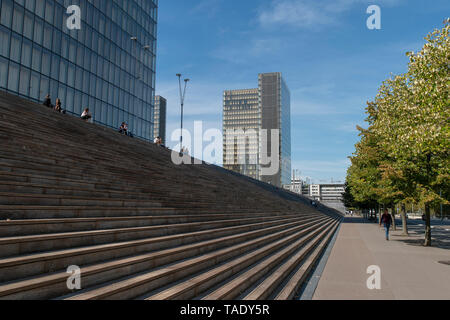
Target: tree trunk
x,y
427,208
404,221
379,213
394,225
427,226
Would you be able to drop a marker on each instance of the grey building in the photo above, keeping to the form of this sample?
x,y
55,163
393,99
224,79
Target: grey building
x,y
248,111
160,118
107,65
242,119
329,194
275,99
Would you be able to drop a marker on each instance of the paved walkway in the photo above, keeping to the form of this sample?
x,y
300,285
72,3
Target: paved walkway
x,y
408,270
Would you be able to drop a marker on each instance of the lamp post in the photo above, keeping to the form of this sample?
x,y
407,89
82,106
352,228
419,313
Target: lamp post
x,y
182,96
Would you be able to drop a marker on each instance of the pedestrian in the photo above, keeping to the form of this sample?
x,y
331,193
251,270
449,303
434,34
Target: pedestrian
x,y
48,101
58,106
158,141
86,115
386,219
123,128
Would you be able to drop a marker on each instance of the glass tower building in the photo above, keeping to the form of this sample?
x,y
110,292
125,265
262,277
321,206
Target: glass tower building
x,y
160,118
108,65
245,113
276,114
241,124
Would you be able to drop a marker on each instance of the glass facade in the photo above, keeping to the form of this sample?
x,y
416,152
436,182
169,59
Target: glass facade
x,y
108,65
276,114
241,124
285,133
160,118
247,112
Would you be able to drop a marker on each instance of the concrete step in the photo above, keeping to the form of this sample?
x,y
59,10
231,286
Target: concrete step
x,y
289,290
264,290
194,286
8,198
34,188
33,264
52,285
232,197
20,245
234,288
131,287
28,227
75,193
51,212
97,188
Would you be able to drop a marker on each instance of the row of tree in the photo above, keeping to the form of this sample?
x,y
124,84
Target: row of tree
x,y
403,155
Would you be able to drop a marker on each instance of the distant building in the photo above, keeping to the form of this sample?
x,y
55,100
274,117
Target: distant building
x,y
245,113
328,194
160,118
296,186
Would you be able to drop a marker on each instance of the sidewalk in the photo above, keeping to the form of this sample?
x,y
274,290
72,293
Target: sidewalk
x,y
408,270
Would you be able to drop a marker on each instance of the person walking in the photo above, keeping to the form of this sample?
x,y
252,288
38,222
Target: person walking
x,y
386,220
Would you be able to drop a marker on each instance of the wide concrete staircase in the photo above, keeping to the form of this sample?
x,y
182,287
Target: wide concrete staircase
x,y
139,226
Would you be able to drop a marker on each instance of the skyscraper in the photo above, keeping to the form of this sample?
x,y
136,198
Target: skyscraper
x,y
107,65
247,115
275,100
241,124
160,118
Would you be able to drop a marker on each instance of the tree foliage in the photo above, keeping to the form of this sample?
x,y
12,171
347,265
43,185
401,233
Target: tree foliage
x,y
404,154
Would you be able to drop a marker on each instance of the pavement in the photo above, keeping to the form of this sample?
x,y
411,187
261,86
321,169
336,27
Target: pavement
x,y
408,269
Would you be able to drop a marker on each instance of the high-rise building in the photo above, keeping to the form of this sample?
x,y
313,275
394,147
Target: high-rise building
x,y
241,124
247,114
275,100
108,64
160,118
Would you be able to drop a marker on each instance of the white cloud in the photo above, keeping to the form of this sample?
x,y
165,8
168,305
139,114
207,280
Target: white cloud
x,y
310,14
243,52
208,7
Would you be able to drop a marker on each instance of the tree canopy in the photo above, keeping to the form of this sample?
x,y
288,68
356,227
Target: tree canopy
x,y
404,153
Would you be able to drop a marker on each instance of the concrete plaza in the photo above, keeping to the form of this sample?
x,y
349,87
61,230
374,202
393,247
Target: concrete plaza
x,y
408,270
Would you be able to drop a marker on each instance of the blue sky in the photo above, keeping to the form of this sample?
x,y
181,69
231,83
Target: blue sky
x,y
330,60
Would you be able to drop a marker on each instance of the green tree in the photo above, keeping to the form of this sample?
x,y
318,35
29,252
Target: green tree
x,y
413,122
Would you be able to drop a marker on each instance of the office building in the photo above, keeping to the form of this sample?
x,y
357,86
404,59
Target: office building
x,y
108,64
330,195
275,100
242,121
247,113
160,118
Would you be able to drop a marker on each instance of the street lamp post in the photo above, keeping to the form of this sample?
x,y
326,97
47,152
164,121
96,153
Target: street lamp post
x,y
182,96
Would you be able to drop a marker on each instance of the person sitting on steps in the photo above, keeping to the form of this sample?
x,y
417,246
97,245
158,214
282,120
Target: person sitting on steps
x,y
48,101
158,141
58,106
123,128
86,115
